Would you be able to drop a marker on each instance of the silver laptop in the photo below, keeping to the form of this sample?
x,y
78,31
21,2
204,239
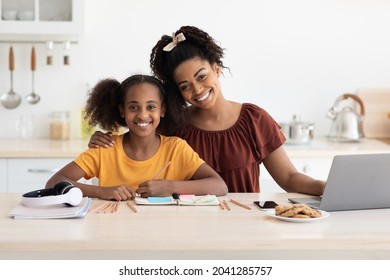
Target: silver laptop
x,y
355,182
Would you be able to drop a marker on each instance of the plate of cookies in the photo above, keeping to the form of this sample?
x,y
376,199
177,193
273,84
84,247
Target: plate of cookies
x,y
299,213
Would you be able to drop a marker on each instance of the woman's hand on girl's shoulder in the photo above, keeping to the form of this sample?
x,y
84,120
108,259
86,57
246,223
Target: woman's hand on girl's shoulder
x,y
100,139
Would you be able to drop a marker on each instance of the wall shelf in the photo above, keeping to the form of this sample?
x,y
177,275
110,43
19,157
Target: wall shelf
x,y
46,18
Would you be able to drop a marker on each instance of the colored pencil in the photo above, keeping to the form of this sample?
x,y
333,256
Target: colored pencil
x,y
221,205
131,207
96,207
226,205
161,170
240,204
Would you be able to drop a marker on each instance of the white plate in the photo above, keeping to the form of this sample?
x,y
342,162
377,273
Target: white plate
x,y
298,220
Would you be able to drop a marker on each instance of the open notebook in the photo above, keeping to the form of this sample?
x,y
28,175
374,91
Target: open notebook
x,y
189,199
355,182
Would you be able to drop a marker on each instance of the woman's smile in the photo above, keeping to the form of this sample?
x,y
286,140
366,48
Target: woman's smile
x,y
203,96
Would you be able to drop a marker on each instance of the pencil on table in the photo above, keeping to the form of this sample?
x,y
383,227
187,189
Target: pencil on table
x,y
161,170
113,207
116,206
226,205
96,207
107,208
131,207
221,205
102,206
240,204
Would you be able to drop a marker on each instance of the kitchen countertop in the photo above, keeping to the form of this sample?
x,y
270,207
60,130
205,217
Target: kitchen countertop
x,y
41,148
319,147
322,147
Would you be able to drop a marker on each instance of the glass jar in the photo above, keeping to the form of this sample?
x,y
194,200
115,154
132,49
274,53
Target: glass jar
x,y
59,125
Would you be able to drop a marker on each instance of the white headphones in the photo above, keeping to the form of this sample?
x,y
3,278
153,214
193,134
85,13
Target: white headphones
x,y
62,192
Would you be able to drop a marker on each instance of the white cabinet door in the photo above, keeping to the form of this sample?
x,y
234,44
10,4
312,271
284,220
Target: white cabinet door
x,y
317,168
30,174
3,175
42,17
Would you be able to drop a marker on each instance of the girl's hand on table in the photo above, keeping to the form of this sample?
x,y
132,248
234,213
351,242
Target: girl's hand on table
x,y
159,188
117,193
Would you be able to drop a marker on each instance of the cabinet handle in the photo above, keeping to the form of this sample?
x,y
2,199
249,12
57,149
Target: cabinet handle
x,y
53,170
306,169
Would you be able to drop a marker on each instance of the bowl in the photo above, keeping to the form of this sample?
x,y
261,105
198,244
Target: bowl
x,y
10,15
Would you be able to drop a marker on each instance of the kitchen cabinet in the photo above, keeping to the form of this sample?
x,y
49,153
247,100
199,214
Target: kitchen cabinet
x,y
41,17
3,175
28,174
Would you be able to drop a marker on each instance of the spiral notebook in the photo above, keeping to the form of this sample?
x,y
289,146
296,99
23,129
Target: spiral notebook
x,y
191,200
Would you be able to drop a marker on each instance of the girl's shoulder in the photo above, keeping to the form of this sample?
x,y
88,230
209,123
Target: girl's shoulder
x,y
172,140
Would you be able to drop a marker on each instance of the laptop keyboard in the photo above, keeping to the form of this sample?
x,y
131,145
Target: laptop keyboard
x,y
311,201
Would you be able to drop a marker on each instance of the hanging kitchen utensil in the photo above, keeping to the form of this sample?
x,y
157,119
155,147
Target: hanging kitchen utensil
x,y
66,53
33,98
49,50
11,99
347,124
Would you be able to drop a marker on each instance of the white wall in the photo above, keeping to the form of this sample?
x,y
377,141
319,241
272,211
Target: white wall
x,y
289,57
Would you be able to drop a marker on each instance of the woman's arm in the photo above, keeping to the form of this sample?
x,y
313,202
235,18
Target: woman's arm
x,y
204,181
100,139
72,173
288,178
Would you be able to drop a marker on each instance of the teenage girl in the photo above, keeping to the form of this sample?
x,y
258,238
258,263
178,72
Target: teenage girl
x,y
133,165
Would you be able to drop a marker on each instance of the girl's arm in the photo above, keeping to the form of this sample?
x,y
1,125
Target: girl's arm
x,y
204,181
72,173
288,178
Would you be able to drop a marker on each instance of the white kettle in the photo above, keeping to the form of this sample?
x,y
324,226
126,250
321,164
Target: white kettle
x,y
347,123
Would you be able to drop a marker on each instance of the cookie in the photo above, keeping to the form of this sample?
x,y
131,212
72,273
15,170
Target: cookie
x,y
282,208
298,210
302,216
313,213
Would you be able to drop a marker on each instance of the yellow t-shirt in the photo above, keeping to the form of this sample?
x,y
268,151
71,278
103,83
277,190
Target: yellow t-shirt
x,y
113,167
